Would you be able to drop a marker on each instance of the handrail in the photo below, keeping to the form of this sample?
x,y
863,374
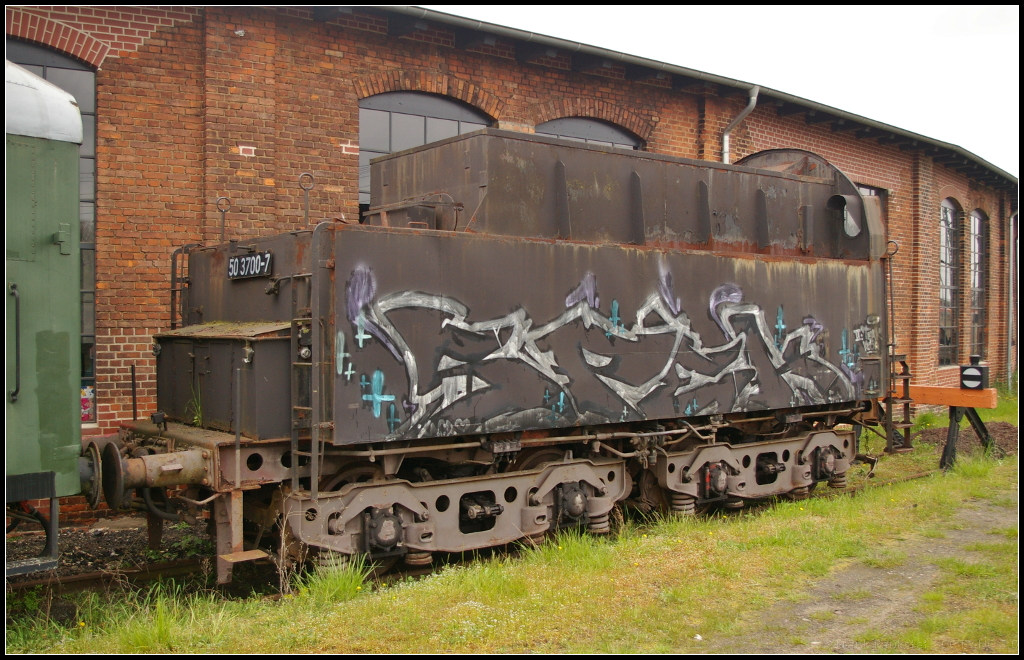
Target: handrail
x,y
17,342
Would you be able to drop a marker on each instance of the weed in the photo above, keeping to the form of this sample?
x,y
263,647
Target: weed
x,y
192,543
335,581
1008,532
927,420
194,407
918,639
886,559
870,635
962,568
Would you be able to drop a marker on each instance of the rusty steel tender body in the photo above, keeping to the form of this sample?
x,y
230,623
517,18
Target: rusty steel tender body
x,y
522,333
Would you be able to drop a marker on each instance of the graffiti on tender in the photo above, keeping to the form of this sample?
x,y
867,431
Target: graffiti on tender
x,y
797,355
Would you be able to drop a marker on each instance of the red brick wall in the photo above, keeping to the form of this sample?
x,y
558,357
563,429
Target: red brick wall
x,y
180,95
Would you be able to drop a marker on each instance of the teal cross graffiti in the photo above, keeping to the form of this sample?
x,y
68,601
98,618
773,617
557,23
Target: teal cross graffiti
x,y
691,407
614,318
341,354
393,418
349,372
363,383
845,352
547,397
361,336
559,406
377,396
780,328
625,413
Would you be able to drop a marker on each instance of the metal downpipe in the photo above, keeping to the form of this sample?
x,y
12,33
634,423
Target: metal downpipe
x,y
735,122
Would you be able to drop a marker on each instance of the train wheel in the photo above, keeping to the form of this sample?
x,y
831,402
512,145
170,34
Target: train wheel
x,y
533,458
355,473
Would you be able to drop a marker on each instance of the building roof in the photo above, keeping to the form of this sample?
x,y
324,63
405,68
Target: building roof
x,y
530,45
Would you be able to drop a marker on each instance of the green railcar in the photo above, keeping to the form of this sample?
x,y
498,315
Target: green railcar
x,y
43,433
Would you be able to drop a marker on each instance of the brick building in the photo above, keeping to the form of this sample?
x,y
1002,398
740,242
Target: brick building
x,y
185,105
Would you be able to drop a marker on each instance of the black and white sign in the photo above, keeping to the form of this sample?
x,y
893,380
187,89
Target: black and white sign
x,y
250,265
973,377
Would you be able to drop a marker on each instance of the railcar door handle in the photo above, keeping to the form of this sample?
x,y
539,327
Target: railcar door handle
x,y
17,342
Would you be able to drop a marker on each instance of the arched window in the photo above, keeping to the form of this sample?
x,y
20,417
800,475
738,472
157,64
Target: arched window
x,y
591,131
978,274
79,80
949,281
395,121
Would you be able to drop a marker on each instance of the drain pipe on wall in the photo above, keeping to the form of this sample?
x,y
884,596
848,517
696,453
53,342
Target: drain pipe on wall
x,y
735,122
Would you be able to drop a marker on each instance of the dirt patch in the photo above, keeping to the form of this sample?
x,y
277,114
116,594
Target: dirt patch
x,y
110,545
1004,435
879,597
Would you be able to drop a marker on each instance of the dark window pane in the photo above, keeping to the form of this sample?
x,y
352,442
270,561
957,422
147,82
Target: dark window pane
x,y
374,132
87,221
80,84
425,104
38,70
364,170
469,127
87,178
87,359
587,129
407,131
88,313
88,270
439,129
88,147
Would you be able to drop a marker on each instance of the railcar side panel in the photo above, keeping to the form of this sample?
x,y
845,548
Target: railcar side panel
x,y
43,313
442,334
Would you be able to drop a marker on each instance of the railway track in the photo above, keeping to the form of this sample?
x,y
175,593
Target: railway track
x,y
184,567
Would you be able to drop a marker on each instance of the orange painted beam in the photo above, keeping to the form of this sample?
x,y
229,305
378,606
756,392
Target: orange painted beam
x,y
953,396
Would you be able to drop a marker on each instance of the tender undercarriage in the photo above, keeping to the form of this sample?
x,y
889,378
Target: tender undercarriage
x,y
459,494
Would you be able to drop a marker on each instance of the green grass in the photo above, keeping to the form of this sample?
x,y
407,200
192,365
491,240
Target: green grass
x,y
652,588
1006,404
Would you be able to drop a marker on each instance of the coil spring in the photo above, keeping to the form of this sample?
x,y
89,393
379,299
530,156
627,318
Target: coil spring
x,y
801,493
683,504
599,524
419,558
838,480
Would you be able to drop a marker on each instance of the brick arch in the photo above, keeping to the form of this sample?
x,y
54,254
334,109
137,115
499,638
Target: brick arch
x,y
406,80
60,37
582,106
953,193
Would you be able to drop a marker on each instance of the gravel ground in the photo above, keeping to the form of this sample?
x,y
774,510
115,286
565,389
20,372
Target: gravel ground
x,y
110,545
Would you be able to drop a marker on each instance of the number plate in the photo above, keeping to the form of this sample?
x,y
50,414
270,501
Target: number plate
x,y
250,265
